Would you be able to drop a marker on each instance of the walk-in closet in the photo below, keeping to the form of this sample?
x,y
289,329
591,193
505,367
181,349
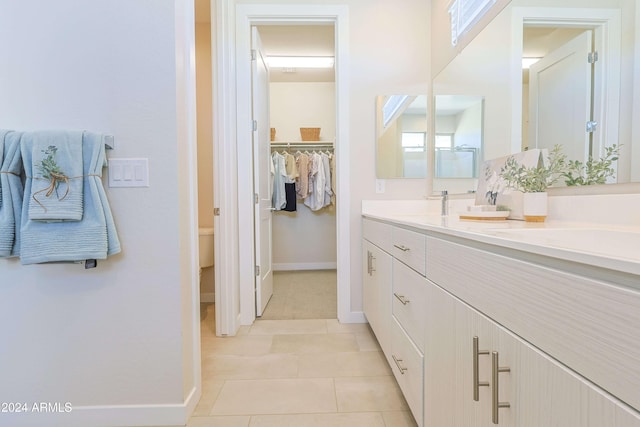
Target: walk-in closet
x,y
302,110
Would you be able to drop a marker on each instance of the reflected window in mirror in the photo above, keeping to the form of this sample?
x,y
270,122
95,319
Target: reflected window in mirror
x,y
458,136
401,136
414,154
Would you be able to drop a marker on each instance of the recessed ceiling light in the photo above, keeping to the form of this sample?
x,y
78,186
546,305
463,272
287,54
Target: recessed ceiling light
x,y
300,61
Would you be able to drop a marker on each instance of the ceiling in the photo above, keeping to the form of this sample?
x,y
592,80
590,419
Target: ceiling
x,y
289,40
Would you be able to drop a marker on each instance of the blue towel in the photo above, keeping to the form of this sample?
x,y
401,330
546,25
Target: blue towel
x,y
56,168
12,191
93,237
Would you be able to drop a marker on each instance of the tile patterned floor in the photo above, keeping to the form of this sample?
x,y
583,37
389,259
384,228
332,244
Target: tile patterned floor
x,y
308,294
296,373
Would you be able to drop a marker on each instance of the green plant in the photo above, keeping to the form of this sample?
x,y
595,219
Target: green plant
x,y
537,178
593,171
48,166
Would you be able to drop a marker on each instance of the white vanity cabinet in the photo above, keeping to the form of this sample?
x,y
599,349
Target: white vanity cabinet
x,y
539,389
558,341
376,293
394,303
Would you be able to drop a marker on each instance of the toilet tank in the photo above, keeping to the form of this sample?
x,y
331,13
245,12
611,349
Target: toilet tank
x,y
206,246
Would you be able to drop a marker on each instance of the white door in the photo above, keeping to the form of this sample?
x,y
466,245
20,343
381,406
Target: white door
x,y
262,173
560,98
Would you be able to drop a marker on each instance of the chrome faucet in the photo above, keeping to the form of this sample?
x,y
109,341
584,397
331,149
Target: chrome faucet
x,y
445,202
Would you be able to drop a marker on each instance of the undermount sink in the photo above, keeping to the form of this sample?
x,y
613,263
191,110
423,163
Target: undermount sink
x,y
607,242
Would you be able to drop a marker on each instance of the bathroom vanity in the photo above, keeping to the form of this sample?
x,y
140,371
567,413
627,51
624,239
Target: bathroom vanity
x,y
504,322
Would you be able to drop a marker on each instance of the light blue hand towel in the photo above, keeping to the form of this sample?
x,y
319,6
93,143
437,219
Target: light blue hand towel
x,y
12,191
56,169
94,237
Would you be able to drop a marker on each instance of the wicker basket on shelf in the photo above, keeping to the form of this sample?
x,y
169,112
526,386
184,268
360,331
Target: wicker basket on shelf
x,y
273,134
310,134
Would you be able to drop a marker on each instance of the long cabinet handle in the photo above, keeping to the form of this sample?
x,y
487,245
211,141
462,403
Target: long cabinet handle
x,y
476,376
402,368
495,370
403,248
402,299
369,263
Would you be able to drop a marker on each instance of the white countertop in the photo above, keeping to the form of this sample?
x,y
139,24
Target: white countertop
x,y
615,248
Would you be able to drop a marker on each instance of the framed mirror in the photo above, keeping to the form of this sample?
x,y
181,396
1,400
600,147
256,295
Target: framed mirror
x,y
492,65
401,136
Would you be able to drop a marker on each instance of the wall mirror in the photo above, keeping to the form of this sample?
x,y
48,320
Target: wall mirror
x,y
605,92
457,136
401,136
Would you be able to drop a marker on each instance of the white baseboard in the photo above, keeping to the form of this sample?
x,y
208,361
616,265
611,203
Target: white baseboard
x,y
207,297
305,266
354,317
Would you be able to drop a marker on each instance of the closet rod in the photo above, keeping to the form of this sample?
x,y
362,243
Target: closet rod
x,y
320,144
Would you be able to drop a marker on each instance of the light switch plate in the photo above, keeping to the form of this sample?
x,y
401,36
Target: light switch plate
x,y
128,172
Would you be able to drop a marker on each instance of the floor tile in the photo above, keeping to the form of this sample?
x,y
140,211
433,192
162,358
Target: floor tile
x,y
369,394
367,342
275,327
366,419
356,364
284,396
210,391
238,346
335,327
251,367
399,419
230,421
314,343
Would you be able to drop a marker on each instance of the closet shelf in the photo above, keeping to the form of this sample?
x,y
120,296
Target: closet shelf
x,y
302,144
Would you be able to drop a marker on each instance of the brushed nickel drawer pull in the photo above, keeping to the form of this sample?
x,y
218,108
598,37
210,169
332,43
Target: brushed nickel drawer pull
x,y
496,404
403,248
369,256
401,298
476,376
402,368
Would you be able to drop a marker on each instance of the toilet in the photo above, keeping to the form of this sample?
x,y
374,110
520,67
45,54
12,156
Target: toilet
x,y
205,280
205,240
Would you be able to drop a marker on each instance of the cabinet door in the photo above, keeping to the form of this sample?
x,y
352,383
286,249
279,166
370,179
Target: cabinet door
x,y
376,293
547,393
539,390
440,405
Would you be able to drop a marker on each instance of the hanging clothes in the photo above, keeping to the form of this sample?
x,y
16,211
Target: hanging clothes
x,y
327,180
315,200
291,170
302,184
278,198
332,165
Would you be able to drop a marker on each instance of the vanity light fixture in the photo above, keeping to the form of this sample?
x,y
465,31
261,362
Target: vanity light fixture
x,y
300,61
528,62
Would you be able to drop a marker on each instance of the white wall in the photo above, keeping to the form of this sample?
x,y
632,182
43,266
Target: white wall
x,y
205,126
388,53
117,342
303,239
205,144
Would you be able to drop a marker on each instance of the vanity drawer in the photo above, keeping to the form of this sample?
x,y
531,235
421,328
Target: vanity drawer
x,y
589,325
407,365
409,247
378,233
409,305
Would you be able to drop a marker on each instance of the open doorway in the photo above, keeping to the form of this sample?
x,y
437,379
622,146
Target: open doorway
x,y
302,253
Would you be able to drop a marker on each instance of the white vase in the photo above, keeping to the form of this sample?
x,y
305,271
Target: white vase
x,y
534,206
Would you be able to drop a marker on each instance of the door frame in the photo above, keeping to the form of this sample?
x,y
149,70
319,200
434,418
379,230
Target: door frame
x,y
606,24
233,174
